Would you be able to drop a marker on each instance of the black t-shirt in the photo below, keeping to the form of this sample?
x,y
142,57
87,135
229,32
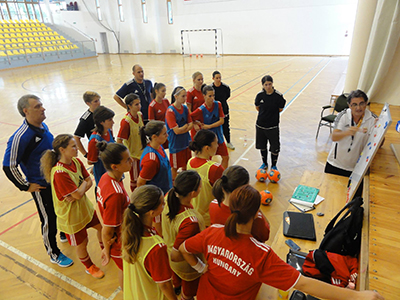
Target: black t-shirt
x,y
86,125
222,94
269,106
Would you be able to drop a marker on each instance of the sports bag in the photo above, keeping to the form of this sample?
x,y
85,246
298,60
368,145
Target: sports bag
x,y
344,237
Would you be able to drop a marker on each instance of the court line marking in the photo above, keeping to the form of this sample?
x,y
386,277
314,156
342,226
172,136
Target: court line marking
x,y
59,275
286,107
16,224
14,208
5,123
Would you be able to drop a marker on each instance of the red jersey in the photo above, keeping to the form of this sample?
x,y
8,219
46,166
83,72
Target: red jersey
x,y
157,110
188,228
124,129
171,117
219,215
93,153
195,98
157,261
150,165
215,171
197,115
237,267
113,200
63,184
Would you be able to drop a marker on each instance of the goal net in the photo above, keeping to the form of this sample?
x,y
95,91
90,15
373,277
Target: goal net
x,y
201,41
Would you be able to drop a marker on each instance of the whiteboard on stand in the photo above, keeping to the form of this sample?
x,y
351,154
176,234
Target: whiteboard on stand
x,y
369,151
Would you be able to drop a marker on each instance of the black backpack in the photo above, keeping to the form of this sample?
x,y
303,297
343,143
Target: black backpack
x,y
345,237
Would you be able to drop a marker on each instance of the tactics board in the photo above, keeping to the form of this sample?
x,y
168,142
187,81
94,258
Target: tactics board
x,y
369,151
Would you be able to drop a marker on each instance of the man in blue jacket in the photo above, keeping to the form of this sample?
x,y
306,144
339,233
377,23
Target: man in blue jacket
x,y
24,149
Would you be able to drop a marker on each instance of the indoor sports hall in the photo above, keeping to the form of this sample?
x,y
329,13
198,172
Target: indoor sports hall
x,y
314,50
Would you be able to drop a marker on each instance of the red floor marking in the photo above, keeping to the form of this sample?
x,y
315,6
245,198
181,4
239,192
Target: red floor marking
x,y
18,223
256,84
5,123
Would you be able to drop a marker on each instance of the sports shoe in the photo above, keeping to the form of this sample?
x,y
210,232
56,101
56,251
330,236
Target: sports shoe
x,y
62,260
63,238
264,166
230,146
274,168
95,272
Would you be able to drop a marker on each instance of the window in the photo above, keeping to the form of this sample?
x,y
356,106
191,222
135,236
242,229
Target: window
x,y
121,11
4,11
144,11
169,11
99,17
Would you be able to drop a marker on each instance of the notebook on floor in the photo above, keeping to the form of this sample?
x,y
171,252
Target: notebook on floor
x,y
298,225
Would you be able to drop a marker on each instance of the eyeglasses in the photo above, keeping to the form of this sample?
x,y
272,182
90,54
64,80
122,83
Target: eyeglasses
x,y
361,104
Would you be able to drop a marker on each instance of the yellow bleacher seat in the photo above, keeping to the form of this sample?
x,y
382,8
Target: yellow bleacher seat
x,y
2,41
16,52
75,47
42,38
45,49
28,51
2,47
13,35
26,40
7,41
47,38
13,41
6,30
3,53
34,50
8,46
20,40
22,51
52,38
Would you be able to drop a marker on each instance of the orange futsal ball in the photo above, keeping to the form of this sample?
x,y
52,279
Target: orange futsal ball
x,y
261,175
274,176
266,197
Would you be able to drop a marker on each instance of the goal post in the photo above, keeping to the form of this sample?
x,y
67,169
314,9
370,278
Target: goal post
x,y
199,41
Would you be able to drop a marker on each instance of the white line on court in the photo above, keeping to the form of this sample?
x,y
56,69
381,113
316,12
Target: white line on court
x,y
286,107
64,278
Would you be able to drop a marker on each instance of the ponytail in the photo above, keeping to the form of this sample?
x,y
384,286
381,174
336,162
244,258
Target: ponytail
x,y
151,128
143,199
157,87
232,178
51,157
187,181
202,138
110,153
175,92
244,204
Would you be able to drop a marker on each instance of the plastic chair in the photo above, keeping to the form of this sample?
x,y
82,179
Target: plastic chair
x,y
327,120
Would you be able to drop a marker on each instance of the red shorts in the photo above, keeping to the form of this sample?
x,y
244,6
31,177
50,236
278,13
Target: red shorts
x,y
134,173
116,254
79,237
180,159
189,288
222,150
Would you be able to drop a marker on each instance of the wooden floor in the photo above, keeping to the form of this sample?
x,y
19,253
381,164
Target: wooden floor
x,y
306,82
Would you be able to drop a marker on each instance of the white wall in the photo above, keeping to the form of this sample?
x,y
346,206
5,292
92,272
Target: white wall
x,y
315,27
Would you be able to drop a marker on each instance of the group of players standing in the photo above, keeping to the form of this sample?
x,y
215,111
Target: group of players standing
x,y
186,240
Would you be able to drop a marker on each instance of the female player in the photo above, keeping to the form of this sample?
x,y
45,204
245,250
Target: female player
x,y
233,178
69,183
179,123
158,107
222,94
180,222
103,121
113,200
195,98
211,117
154,163
129,134
238,264
205,145
269,103
147,274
